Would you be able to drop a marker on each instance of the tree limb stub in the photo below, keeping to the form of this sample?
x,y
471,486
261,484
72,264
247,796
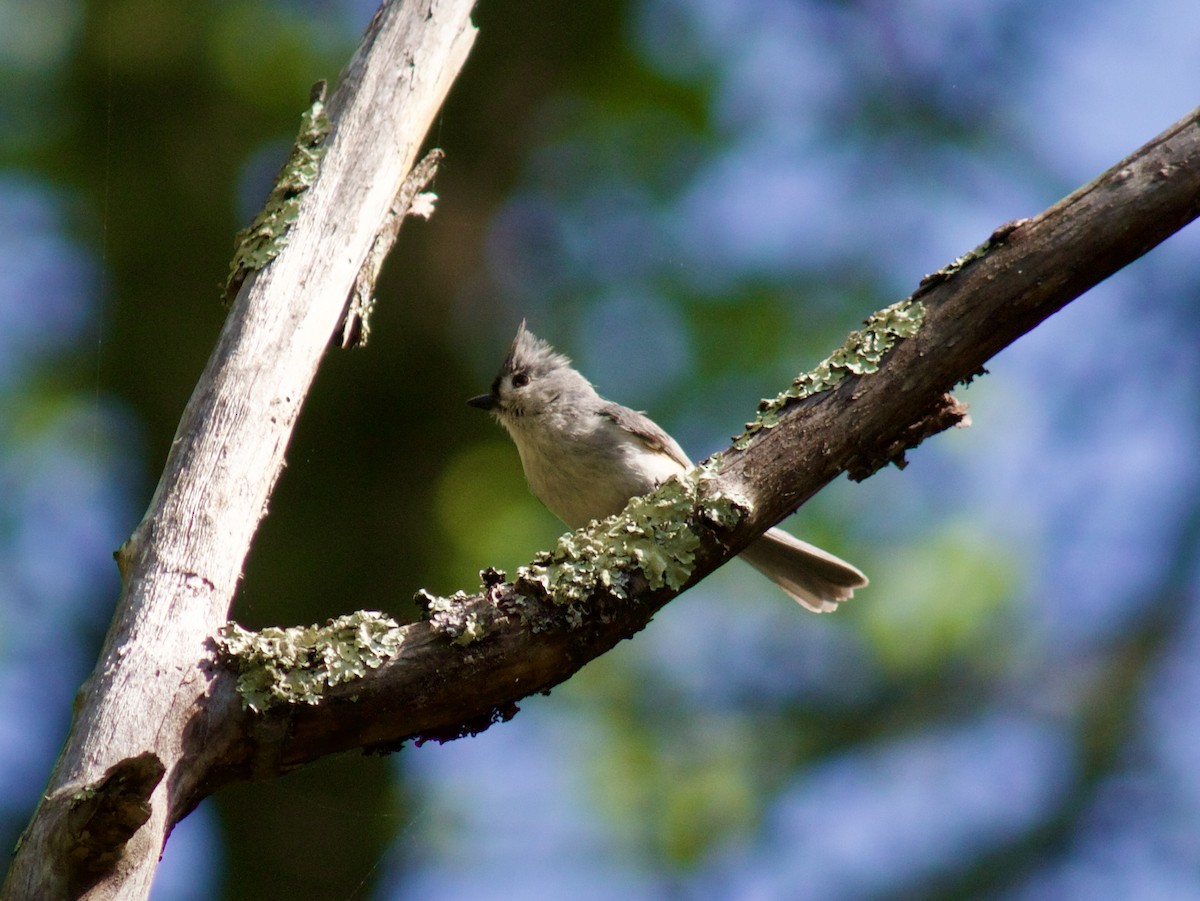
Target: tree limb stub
x,y
478,655
355,327
102,817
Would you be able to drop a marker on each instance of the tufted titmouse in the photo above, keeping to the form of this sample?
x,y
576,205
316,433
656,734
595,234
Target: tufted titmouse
x,y
585,457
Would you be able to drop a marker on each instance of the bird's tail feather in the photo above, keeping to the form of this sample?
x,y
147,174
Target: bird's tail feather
x,y
812,577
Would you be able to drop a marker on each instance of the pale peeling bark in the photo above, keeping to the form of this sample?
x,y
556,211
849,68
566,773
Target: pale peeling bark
x,y
119,783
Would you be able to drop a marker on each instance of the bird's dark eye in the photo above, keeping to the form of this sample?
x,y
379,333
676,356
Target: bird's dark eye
x,y
520,379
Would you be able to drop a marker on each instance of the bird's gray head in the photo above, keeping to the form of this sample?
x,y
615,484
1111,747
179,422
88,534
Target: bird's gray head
x,y
533,380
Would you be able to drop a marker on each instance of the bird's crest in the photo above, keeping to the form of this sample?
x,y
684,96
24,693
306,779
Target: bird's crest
x,y
531,355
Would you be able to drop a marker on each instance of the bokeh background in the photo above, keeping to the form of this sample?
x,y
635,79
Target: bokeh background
x,y
695,199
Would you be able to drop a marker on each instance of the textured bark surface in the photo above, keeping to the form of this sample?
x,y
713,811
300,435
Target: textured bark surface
x,y
149,692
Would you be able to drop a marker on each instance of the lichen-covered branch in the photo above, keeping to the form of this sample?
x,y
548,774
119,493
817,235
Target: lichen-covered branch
x,y
296,665
327,688
884,392
151,695
861,354
262,240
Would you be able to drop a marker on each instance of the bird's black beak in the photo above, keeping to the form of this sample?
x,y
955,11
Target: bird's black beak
x,y
483,402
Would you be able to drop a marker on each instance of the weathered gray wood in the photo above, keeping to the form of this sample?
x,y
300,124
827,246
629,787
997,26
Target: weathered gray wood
x,y
146,699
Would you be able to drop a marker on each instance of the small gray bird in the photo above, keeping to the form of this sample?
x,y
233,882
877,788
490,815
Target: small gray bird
x,y
585,457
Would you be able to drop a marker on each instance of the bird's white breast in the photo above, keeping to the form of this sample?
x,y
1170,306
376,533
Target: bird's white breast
x,y
588,468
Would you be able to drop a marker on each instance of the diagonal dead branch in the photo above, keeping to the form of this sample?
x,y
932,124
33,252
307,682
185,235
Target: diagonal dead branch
x,y
479,654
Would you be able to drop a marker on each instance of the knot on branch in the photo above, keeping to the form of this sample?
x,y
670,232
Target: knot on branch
x,y
465,618
947,412
103,816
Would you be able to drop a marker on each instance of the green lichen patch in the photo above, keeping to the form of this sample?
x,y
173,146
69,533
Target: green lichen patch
x,y
452,616
995,239
862,353
654,537
295,665
266,236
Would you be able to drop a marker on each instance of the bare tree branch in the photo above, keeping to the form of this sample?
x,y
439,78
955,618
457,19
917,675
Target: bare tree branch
x,y
148,693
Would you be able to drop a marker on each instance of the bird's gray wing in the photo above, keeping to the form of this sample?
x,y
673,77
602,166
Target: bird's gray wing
x,y
646,429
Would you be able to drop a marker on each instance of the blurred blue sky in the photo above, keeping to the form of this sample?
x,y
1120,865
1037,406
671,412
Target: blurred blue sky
x,y
1065,518
65,474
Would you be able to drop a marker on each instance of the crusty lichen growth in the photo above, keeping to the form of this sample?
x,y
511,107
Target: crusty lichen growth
x,y
295,665
861,354
653,541
464,618
266,236
452,616
654,537
996,239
